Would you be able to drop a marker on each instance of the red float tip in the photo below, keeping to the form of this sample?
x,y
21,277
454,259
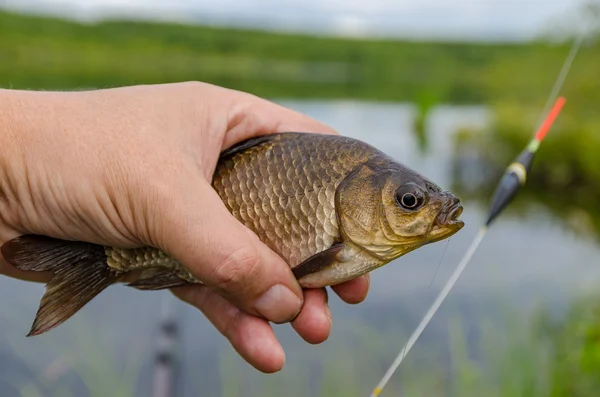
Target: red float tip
x,y
552,115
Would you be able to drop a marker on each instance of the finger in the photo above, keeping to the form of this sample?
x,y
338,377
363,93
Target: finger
x,y
252,337
251,116
198,230
353,291
313,323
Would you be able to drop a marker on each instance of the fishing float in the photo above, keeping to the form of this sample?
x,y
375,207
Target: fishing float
x,y
514,177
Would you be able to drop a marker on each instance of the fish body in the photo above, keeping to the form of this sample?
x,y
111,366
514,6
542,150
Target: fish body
x,y
332,207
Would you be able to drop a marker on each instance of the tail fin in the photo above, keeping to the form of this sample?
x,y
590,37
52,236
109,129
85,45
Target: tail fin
x,y
79,273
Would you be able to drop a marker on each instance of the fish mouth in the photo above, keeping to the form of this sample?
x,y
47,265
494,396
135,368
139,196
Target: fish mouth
x,y
448,217
447,223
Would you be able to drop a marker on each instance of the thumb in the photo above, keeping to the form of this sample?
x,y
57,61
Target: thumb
x,y
216,248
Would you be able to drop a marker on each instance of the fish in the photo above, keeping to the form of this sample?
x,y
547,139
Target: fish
x,y
333,207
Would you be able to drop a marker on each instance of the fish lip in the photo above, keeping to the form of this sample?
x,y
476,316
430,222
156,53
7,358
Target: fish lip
x,y
450,217
454,213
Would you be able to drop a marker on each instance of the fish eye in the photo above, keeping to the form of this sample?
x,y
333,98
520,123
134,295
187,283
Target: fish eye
x,y
408,200
410,197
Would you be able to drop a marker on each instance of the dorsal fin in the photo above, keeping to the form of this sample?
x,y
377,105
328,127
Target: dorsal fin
x,y
246,144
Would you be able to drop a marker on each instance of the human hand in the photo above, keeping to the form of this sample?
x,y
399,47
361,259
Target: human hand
x,y
132,166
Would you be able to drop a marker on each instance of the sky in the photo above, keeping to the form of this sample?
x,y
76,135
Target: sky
x,y
470,19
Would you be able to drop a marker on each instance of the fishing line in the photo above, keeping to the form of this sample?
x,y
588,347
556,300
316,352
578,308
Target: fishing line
x,y
562,75
413,338
514,177
439,263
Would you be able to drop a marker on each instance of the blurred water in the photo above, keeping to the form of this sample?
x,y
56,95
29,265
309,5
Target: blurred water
x,y
109,345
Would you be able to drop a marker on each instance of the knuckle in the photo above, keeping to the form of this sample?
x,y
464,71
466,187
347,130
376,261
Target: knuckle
x,y
238,270
232,326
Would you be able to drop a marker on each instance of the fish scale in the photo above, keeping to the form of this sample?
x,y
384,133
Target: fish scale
x,y
296,192
293,210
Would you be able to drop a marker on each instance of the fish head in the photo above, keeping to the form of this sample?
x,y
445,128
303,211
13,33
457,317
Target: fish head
x,y
390,210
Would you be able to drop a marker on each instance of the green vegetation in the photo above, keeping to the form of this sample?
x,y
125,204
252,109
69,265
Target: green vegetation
x,y
79,360
561,358
574,368
551,358
548,358
47,53
565,180
566,176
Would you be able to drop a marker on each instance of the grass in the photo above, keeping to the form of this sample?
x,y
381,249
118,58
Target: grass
x,y
81,360
49,53
511,356
497,351
514,357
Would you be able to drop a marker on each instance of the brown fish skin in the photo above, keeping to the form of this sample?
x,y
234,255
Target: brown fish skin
x,y
304,196
332,207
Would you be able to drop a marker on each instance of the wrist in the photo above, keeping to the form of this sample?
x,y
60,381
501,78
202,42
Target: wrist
x,y
15,109
7,142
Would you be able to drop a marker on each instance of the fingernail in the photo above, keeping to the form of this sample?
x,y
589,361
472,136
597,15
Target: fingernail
x,y
328,314
279,304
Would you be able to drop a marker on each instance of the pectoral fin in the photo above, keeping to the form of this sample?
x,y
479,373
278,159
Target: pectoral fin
x,y
318,261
